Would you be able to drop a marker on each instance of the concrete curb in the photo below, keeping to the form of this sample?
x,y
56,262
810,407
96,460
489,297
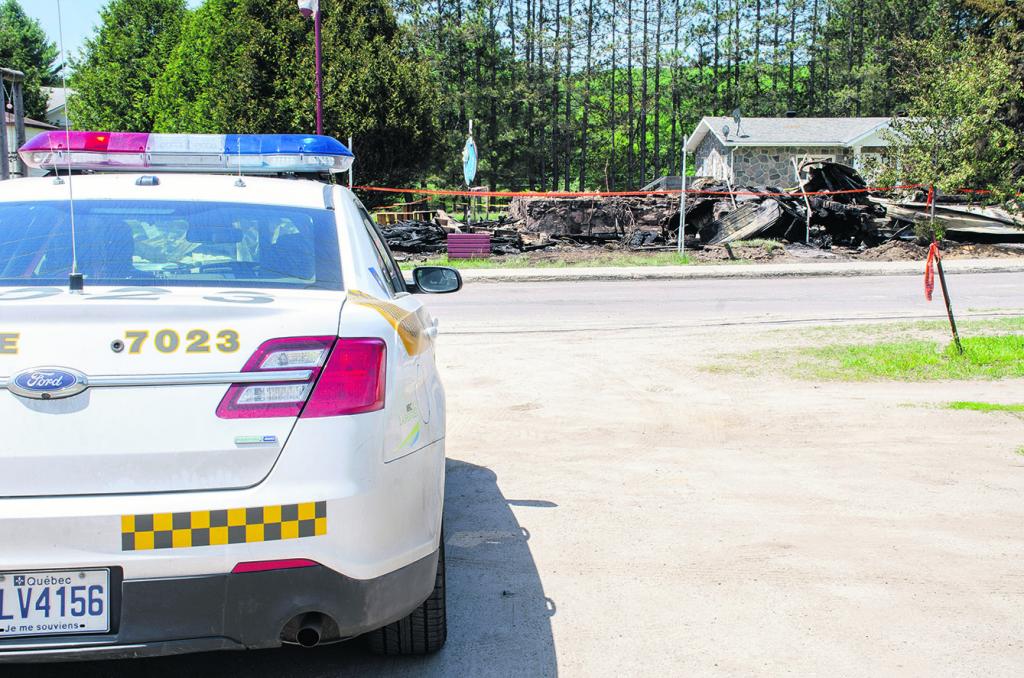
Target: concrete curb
x,y
728,271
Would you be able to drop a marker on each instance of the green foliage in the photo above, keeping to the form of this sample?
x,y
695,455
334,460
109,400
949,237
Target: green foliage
x,y
578,95
196,92
115,77
956,134
24,47
863,44
248,66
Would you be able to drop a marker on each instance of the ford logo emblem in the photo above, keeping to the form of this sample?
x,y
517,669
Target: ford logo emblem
x,y
46,383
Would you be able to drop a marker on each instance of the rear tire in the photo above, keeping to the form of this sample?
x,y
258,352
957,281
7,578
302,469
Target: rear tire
x,y
423,631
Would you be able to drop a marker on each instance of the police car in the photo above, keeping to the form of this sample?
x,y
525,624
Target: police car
x,y
222,423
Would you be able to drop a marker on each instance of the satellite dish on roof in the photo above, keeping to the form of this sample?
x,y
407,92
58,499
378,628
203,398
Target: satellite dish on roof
x,y
725,131
737,118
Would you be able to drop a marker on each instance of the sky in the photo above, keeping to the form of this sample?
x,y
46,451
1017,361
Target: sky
x,y
80,18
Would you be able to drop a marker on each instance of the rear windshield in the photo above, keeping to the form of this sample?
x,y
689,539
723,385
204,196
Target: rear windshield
x,y
125,242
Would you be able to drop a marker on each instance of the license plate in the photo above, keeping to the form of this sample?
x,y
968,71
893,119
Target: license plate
x,y
51,603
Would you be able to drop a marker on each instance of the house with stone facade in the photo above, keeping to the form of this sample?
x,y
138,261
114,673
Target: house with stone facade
x,y
760,151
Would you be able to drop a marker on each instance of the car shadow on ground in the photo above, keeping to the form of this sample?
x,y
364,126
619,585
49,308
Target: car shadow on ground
x,y
499,621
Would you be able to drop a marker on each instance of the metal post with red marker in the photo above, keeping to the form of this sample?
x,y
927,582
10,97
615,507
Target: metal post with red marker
x,y
935,262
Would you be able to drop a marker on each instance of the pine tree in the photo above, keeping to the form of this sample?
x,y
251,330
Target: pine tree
x,y
114,79
247,66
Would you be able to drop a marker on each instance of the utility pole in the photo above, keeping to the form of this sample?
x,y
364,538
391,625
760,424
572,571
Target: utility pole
x,y
681,245
16,78
4,169
310,9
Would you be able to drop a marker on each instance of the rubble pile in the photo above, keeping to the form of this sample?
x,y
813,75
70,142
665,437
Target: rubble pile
x,y
959,219
425,237
418,237
719,214
600,218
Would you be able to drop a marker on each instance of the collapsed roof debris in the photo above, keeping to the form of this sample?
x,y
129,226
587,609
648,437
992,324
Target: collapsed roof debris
x,y
960,222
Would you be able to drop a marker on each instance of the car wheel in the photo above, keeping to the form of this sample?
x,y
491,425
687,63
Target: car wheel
x,y
423,631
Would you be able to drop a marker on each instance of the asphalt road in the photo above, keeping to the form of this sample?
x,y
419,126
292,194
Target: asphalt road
x,y
571,306
614,508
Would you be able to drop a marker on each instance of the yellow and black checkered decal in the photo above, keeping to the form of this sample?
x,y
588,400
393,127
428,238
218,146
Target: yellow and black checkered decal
x,y
229,526
410,326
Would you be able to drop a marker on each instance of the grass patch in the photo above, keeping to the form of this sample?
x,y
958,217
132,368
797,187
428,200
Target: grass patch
x,y
1020,451
903,350
522,261
984,407
993,357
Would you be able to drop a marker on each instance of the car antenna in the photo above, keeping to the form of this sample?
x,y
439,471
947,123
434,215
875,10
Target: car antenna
x,y
76,281
239,182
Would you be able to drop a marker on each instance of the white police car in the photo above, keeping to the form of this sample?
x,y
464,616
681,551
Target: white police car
x,y
222,424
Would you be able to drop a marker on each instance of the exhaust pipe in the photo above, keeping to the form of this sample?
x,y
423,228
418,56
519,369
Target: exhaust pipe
x,y
310,630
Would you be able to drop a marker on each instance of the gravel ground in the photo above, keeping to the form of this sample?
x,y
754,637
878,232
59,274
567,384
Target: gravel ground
x,y
615,509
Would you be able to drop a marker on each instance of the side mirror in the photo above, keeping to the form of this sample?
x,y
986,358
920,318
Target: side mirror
x,y
436,280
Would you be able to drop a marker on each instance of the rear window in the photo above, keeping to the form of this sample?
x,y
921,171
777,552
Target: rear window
x,y
169,243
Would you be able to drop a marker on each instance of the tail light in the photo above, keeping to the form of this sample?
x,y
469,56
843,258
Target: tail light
x,y
347,376
352,381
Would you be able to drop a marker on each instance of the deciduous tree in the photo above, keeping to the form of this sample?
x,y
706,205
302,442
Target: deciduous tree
x,y
24,47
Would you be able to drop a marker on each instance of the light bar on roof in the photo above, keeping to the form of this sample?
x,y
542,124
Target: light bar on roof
x,y
210,153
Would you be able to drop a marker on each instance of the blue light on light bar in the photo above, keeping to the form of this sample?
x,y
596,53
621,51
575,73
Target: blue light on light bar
x,y
211,153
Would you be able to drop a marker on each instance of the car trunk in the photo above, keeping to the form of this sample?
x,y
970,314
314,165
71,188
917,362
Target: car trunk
x,y
158,437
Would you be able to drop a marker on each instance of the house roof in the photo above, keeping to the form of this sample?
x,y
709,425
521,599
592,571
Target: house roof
x,y
786,131
56,97
29,122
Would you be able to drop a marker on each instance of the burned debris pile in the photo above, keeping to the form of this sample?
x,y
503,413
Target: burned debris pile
x,y
833,207
418,237
718,213
425,237
609,218
958,216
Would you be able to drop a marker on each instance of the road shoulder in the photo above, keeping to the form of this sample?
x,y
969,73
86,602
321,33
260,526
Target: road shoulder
x,y
728,271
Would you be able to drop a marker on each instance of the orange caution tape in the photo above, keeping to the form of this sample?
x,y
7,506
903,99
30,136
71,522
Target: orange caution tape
x,y
619,194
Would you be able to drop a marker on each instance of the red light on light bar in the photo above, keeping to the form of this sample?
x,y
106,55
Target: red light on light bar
x,y
268,565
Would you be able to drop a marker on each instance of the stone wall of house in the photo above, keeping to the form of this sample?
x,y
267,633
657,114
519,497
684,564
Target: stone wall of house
x,y
711,158
762,165
773,166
